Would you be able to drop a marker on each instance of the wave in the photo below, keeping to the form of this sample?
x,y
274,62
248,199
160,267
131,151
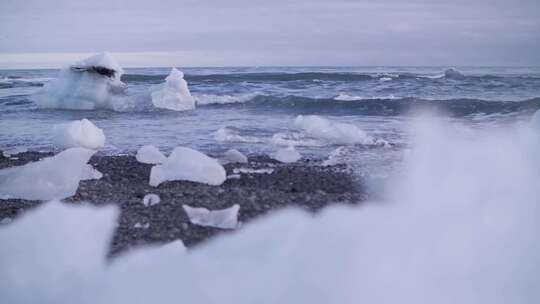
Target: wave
x,y
384,107
450,74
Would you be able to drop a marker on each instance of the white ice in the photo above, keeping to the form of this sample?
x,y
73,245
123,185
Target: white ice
x,y
78,87
253,171
173,94
224,218
79,133
55,177
235,156
90,173
190,165
151,200
150,155
339,133
286,155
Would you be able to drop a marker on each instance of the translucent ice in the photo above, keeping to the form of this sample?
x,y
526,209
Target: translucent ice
x,y
55,177
188,164
150,155
151,200
224,218
287,155
235,156
90,84
340,133
173,94
90,173
79,133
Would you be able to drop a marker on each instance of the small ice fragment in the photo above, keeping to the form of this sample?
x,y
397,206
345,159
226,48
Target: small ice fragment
x,y
55,177
14,151
287,155
188,164
235,156
79,133
5,221
224,218
151,200
150,155
141,226
233,176
173,94
253,171
90,173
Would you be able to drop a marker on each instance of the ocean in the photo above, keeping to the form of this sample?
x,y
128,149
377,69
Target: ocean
x,y
253,109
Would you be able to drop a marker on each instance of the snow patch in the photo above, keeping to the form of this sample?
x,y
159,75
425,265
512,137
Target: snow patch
x,y
79,133
224,218
188,164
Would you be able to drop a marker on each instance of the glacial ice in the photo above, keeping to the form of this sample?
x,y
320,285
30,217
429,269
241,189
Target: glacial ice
x,y
224,218
93,83
235,156
151,199
173,94
339,133
150,155
90,173
55,177
460,226
287,155
188,164
79,133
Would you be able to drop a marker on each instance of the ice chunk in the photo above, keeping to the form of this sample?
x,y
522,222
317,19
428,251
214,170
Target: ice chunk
x,y
173,94
188,164
340,133
287,155
55,177
93,83
453,74
90,173
79,133
150,155
14,151
141,226
235,156
224,218
151,200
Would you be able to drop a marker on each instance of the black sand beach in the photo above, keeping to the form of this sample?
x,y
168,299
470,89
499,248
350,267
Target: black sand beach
x,y
305,184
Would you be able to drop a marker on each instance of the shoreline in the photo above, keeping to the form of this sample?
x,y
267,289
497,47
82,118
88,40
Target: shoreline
x,y
305,184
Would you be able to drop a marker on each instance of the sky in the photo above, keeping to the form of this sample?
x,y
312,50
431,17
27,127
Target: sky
x,y
53,33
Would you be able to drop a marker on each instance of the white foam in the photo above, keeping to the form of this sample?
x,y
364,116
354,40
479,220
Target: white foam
x,y
210,99
235,156
287,155
78,87
173,94
340,133
55,177
453,74
229,134
79,133
188,164
149,154
14,151
224,218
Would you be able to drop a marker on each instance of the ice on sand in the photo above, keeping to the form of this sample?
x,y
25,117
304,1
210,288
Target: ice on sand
x,y
340,133
55,177
224,218
235,156
173,94
151,200
287,155
190,165
150,155
79,133
90,173
93,83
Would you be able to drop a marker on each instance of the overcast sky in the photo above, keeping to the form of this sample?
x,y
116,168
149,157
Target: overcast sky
x,y
264,32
